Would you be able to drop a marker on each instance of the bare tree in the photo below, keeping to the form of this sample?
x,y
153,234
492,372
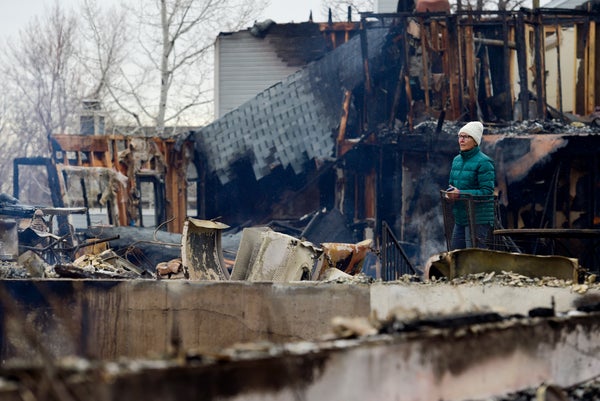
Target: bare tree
x,y
105,35
168,77
42,80
43,71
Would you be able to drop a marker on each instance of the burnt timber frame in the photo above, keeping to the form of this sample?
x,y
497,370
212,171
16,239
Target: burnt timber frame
x,y
456,39
103,151
462,41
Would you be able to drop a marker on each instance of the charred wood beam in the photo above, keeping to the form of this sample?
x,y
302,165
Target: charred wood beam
x,y
540,81
453,67
470,69
397,94
553,12
367,73
507,81
496,42
557,28
365,56
487,78
425,60
590,53
522,65
86,202
343,123
406,78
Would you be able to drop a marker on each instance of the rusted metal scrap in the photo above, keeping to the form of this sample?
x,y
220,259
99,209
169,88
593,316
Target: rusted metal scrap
x,y
348,258
462,262
267,255
201,251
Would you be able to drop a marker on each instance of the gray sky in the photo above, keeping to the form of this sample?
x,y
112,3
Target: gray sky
x,y
14,15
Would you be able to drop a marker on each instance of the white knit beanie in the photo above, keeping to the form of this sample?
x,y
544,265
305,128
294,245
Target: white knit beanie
x,y
474,129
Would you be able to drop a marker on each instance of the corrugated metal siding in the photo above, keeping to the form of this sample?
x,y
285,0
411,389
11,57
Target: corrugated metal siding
x,y
245,65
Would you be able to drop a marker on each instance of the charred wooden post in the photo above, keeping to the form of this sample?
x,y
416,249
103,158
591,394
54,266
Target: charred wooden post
x,y
522,65
559,96
444,51
540,71
453,67
367,73
470,64
508,105
406,77
425,49
487,79
341,146
590,64
177,158
402,43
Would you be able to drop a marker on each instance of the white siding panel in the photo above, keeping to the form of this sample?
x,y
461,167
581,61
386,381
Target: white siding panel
x,y
386,6
568,70
245,66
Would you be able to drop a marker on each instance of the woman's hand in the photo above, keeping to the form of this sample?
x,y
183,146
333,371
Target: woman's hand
x,y
452,192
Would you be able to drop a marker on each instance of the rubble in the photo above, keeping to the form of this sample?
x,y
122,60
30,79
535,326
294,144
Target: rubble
x,y
9,270
103,265
171,269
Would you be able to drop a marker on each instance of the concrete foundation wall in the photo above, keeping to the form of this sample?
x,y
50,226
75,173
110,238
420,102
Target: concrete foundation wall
x,y
112,319
446,298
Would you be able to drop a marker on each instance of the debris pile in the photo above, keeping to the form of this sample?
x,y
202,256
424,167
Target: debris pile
x,y
261,254
104,265
171,269
512,279
513,128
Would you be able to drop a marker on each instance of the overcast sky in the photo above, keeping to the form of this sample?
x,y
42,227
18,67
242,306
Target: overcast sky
x,y
15,14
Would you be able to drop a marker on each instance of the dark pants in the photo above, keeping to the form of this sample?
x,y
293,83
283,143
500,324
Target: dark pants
x,y
461,236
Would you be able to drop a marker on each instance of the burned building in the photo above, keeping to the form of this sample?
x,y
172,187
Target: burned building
x,y
368,129
353,140
358,123
361,138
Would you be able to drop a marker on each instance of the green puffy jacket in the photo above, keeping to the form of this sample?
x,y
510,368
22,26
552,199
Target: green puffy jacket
x,y
473,173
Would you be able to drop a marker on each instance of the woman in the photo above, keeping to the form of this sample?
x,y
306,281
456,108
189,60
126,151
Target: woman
x,y
472,180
